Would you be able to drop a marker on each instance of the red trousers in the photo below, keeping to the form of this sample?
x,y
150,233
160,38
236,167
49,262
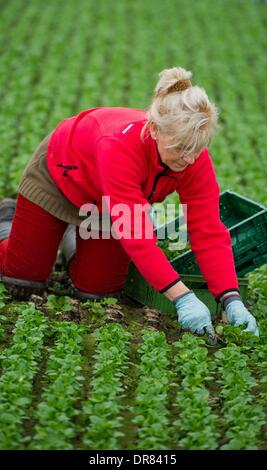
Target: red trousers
x,y
100,266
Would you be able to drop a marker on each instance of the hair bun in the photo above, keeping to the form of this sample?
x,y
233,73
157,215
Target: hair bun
x,y
179,86
175,79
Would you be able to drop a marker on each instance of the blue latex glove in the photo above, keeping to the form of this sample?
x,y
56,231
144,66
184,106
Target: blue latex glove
x,y
194,315
237,314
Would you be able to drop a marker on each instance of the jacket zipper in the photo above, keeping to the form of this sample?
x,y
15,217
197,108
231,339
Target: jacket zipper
x,y
162,173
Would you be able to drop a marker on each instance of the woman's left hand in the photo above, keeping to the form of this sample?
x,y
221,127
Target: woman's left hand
x,y
237,314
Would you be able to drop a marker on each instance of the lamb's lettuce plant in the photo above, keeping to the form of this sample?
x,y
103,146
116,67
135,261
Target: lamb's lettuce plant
x,y
58,304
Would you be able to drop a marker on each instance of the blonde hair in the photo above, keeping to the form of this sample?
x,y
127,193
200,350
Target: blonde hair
x,y
186,116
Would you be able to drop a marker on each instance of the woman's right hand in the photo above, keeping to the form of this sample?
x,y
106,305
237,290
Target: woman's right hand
x,y
194,315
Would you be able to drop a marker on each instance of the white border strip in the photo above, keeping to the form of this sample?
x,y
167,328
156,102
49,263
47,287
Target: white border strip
x,y
127,128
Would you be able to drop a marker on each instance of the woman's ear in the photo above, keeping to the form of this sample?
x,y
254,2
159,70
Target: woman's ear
x,y
153,130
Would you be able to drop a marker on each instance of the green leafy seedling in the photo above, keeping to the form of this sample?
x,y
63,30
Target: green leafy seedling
x,y
58,305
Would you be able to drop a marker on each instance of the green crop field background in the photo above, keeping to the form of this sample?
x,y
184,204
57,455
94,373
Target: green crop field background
x,y
111,375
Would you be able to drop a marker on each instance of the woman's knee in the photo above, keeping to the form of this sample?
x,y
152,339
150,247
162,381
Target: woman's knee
x,y
31,249
99,267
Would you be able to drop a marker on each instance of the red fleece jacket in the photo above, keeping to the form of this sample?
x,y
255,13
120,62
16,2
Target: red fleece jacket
x,y
106,157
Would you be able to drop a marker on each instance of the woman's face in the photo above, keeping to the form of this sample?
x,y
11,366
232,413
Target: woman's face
x,y
171,157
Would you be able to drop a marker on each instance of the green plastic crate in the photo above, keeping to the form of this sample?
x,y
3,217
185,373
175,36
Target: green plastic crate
x,y
139,289
247,224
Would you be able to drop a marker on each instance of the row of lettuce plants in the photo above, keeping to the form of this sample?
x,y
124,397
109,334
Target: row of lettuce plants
x,y
243,415
150,409
17,99
36,101
102,420
55,427
19,365
195,426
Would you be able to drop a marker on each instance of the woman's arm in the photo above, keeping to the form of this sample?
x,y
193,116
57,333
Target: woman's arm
x,y
209,238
